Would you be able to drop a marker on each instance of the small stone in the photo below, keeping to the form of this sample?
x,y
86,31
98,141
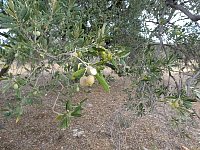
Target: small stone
x,y
75,130
77,133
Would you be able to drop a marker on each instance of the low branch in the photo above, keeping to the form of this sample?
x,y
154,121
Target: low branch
x,y
189,81
175,6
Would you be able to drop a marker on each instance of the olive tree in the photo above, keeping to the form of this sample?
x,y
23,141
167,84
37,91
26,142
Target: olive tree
x,y
73,41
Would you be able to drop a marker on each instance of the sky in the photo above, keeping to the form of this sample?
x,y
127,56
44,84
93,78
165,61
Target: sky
x,y
1,37
180,20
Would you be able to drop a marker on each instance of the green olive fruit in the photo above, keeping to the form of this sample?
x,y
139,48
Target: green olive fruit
x,y
109,56
16,55
36,33
90,80
15,86
103,55
91,70
83,82
35,93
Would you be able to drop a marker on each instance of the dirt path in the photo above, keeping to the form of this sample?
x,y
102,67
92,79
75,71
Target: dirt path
x,y
38,129
104,126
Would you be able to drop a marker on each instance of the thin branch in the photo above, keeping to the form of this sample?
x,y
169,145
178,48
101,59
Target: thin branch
x,y
177,85
55,102
184,10
194,111
189,82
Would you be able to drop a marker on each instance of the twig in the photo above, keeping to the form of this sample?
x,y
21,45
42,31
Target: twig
x,y
85,63
54,105
194,111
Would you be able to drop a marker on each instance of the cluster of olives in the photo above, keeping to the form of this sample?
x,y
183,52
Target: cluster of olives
x,y
106,56
88,80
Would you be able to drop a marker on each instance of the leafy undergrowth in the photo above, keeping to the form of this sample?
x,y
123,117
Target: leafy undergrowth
x,y
106,124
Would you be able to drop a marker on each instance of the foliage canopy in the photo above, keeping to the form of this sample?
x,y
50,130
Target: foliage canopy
x,y
143,39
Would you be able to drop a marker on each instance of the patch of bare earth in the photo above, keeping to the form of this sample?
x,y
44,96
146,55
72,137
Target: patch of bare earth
x,y
105,125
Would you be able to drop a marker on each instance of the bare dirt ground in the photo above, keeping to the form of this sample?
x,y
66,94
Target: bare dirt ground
x,y
105,125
